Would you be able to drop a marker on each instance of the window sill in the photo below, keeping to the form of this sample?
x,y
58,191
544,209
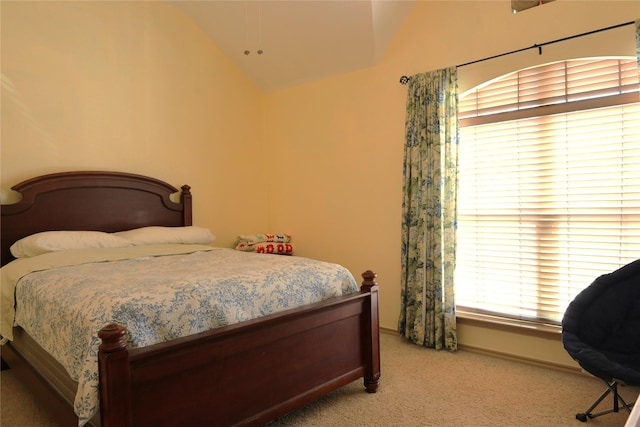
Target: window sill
x,y
509,325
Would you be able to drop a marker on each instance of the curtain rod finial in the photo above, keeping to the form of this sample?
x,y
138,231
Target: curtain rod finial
x,y
404,80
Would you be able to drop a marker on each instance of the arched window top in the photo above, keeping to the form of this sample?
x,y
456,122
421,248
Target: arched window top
x,y
549,190
553,84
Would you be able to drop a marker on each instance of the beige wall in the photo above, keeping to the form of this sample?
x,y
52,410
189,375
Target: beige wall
x,y
136,87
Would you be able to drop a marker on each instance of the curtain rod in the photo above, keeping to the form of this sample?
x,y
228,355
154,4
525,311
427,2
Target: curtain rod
x,y
404,79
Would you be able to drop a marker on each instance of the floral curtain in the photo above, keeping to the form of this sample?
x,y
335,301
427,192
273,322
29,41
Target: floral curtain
x,y
429,210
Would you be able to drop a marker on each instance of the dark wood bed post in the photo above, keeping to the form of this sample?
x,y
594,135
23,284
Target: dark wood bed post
x,y
185,198
113,363
372,343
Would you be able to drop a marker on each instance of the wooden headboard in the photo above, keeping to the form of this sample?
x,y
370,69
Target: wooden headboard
x,y
99,201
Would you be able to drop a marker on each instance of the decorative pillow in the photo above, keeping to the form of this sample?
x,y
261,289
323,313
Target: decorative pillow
x,y
267,248
252,239
157,235
49,241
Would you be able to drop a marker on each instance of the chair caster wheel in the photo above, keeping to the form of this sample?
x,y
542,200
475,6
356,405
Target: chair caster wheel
x,y
581,417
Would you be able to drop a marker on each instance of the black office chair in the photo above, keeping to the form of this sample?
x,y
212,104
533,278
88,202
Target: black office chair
x,y
601,331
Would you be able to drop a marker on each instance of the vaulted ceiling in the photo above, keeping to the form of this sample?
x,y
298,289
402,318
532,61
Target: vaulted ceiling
x,y
300,40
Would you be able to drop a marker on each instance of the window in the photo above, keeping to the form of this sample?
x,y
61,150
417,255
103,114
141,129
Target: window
x,y
549,192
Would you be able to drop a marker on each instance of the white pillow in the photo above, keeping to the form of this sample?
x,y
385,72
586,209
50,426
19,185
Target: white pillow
x,y
157,235
49,241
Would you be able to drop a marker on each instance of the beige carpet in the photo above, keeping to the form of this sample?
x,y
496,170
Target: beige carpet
x,y
421,387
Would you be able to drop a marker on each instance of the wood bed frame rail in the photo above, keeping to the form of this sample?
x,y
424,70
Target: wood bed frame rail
x,y
235,375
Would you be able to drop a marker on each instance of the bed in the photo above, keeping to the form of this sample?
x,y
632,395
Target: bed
x,y
244,373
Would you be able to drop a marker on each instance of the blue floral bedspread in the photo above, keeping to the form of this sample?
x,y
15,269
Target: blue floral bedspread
x,y
161,297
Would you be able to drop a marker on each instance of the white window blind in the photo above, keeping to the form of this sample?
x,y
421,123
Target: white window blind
x,y
553,84
549,194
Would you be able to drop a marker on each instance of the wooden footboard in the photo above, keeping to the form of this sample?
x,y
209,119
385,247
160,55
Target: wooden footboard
x,y
244,374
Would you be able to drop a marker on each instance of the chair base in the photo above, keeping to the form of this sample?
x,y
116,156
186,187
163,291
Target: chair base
x,y
612,387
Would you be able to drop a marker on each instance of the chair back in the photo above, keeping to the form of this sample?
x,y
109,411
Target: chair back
x,y
601,326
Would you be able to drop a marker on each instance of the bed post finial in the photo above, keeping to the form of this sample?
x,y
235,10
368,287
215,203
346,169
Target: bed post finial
x,y
369,278
113,338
